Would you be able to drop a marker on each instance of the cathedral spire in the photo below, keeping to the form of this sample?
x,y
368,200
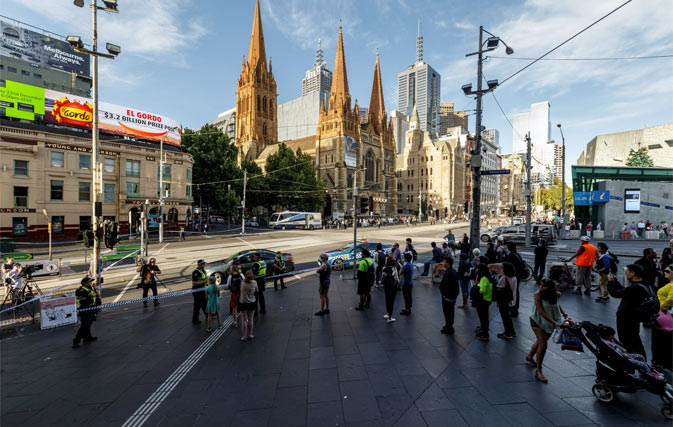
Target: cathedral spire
x,y
340,77
415,122
256,51
377,107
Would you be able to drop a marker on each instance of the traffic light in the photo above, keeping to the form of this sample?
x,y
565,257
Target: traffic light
x,y
364,204
467,207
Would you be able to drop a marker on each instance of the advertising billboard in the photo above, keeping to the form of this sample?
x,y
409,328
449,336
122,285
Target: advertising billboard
x,y
21,101
632,200
75,111
41,50
351,154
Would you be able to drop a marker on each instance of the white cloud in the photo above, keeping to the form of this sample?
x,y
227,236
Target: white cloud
x,y
465,26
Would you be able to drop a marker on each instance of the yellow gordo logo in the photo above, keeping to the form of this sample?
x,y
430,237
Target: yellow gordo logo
x,y
76,114
73,112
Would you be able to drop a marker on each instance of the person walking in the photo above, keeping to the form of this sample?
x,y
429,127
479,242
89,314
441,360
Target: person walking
x,y
213,305
514,258
541,252
259,272
182,233
482,296
365,277
604,265
391,283
380,260
545,316
407,280
86,296
409,248
449,288
628,312
506,298
586,256
278,270
199,280
451,241
324,272
464,278
436,258
248,305
234,285
148,280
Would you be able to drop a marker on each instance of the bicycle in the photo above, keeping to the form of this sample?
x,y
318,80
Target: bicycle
x,y
562,274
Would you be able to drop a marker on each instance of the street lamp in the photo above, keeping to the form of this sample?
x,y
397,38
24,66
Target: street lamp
x,y
563,183
114,50
489,45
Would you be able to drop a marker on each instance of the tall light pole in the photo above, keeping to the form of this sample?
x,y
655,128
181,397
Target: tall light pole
x,y
114,50
161,191
563,184
490,44
528,188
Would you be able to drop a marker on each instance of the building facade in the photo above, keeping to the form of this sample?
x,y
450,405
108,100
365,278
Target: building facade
x,y
448,118
256,114
318,78
400,127
49,168
543,152
490,184
226,122
512,197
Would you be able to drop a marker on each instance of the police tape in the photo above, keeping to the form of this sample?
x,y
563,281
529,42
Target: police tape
x,y
63,287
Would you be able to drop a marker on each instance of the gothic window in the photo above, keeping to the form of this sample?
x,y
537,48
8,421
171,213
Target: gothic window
x,y
270,107
430,158
430,171
369,165
259,103
331,158
377,172
264,129
264,104
421,172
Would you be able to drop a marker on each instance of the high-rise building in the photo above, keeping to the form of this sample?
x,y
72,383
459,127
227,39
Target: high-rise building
x,y
420,86
226,122
448,118
490,184
256,119
400,128
537,123
318,78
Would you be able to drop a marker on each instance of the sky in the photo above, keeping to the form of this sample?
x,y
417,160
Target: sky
x,y
182,58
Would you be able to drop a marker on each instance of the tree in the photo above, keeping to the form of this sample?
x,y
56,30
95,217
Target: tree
x,y
215,168
550,198
639,158
257,190
292,181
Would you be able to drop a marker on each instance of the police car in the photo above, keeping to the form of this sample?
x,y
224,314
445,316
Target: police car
x,y
343,257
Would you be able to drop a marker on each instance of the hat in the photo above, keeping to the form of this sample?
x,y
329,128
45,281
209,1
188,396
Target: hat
x,y
87,280
324,256
585,238
201,261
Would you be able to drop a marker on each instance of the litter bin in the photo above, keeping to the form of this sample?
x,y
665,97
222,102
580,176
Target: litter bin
x,y
6,245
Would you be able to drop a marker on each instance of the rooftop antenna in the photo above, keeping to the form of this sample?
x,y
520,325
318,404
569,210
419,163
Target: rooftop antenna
x,y
419,44
319,61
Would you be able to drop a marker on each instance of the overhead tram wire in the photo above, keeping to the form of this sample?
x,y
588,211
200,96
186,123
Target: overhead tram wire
x,y
567,40
625,58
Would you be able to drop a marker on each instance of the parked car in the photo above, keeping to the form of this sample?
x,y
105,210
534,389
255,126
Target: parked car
x,y
222,268
251,223
517,233
488,235
343,257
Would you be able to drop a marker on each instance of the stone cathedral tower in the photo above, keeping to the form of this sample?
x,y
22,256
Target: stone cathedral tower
x,y
256,119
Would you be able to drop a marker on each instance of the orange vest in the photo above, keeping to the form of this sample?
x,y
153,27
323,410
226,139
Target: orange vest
x,y
587,258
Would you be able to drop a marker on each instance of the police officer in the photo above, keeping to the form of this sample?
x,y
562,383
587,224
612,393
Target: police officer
x,y
259,270
86,297
278,269
199,280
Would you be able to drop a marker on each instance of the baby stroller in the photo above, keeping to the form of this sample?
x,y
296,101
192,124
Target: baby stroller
x,y
615,373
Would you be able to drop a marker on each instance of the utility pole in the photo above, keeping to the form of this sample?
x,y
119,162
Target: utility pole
x,y
161,191
475,161
528,188
245,185
420,205
145,230
355,223
563,184
94,139
511,188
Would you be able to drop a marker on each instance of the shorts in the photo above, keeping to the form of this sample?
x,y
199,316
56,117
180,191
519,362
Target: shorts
x,y
364,288
233,300
464,287
323,288
247,306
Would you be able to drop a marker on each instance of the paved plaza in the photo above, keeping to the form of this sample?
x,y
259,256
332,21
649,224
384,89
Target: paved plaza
x,y
347,368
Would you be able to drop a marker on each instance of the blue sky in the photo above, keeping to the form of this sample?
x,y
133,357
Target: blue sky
x,y
182,58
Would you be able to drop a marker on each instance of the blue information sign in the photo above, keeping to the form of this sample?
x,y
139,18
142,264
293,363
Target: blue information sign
x,y
582,198
600,196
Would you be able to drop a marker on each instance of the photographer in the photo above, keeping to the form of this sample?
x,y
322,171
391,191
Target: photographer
x,y
15,277
148,279
6,269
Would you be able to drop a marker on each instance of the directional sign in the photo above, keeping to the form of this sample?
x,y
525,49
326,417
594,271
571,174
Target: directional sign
x,y
18,257
495,172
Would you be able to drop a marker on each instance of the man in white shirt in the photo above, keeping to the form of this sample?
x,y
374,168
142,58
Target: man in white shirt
x,y
641,228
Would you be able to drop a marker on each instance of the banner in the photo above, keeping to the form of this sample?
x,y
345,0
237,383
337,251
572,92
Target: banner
x,y
75,111
632,200
21,101
41,50
582,198
600,196
351,154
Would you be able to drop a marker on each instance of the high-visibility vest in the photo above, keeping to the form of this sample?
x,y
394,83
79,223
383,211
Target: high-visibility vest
x,y
279,260
587,258
262,268
80,299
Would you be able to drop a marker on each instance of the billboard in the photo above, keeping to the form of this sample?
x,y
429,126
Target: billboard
x,y
75,111
21,101
41,50
351,154
632,200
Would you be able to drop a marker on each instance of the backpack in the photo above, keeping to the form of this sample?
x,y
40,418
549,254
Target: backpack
x,y
236,284
388,280
380,258
370,270
613,262
649,308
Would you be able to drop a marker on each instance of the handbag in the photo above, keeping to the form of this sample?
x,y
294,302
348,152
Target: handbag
x,y
569,341
475,296
664,321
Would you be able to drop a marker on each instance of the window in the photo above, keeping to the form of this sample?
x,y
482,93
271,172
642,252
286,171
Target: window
x,y
57,224
133,168
84,161
57,159
84,191
84,223
37,76
189,174
25,73
108,193
56,190
19,226
20,197
11,69
132,189
109,164
20,168
188,191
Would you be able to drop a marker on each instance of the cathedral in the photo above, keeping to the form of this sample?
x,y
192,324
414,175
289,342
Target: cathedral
x,y
349,151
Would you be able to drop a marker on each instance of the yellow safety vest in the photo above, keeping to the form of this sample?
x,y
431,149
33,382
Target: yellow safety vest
x,y
80,299
262,268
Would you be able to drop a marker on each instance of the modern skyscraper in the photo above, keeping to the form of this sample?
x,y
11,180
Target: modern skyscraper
x,y
538,124
400,128
448,118
318,78
420,86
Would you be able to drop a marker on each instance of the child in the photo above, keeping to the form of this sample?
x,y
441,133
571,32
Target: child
x,y
607,335
234,284
213,306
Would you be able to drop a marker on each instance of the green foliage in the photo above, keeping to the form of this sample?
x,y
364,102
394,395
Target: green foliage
x,y
292,180
257,191
551,198
639,158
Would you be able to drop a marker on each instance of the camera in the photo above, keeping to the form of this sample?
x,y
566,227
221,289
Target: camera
x,y
27,271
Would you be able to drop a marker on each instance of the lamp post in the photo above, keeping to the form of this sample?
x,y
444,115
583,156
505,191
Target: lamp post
x,y
563,183
490,44
114,50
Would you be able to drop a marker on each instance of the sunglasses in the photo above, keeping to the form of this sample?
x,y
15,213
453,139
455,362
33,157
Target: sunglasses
x,y
667,271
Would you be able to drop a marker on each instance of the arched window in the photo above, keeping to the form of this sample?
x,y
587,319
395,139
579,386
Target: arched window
x,y
264,129
369,165
172,218
331,158
264,104
259,103
270,106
